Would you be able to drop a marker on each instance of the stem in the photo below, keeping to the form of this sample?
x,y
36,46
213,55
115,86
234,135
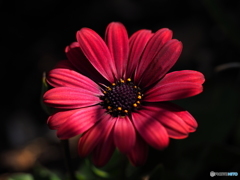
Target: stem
x,y
123,166
67,158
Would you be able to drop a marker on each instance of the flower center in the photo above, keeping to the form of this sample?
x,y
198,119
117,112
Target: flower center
x,y
121,98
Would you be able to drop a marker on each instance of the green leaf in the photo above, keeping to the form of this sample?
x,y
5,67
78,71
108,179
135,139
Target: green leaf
x,y
85,172
100,172
21,176
45,88
41,173
113,170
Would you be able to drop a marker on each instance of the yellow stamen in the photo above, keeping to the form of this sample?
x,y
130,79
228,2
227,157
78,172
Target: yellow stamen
x,y
139,97
113,84
129,79
119,108
135,105
109,107
126,111
138,102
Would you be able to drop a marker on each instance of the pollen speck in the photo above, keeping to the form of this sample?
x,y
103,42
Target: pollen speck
x,y
134,105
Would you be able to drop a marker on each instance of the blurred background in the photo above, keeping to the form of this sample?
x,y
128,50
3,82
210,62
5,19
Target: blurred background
x,y
34,35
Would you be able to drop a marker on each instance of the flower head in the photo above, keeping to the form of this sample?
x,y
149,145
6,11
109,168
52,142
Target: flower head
x,y
115,93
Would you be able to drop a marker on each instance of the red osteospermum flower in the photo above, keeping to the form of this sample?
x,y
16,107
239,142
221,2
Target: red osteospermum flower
x,y
115,93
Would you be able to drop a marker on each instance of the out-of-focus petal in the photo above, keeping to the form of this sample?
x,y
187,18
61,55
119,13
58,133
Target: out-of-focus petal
x,y
70,98
137,43
138,154
80,121
153,47
116,38
150,129
161,63
124,134
64,64
81,63
96,134
97,52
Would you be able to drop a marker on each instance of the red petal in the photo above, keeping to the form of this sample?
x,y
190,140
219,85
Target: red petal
x,y
96,134
124,134
96,51
70,98
153,46
183,76
58,118
137,43
172,91
81,63
172,118
176,85
117,41
150,129
80,121
138,155
161,63
191,123
104,150
70,78
65,64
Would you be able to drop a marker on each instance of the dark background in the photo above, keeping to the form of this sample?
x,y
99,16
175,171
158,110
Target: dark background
x,y
35,33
